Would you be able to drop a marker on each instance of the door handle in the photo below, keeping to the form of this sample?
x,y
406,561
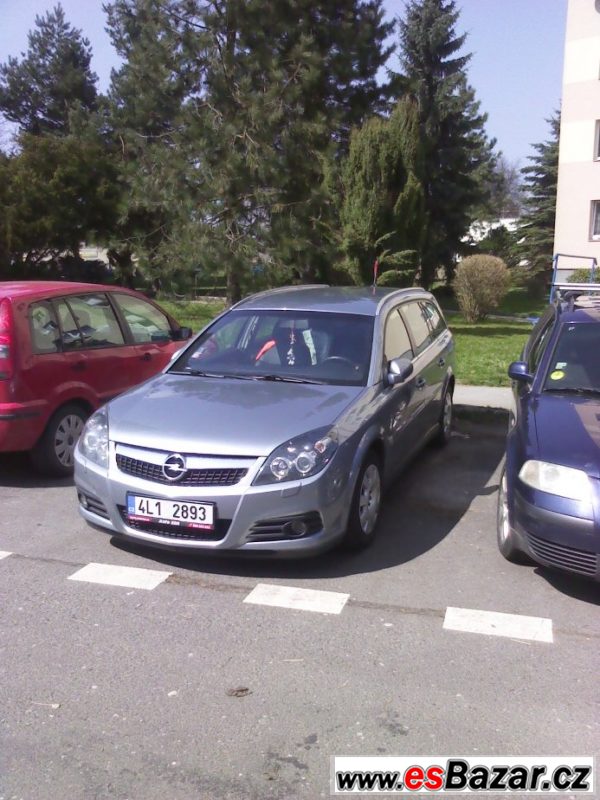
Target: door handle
x,y
78,366
421,383
441,362
146,357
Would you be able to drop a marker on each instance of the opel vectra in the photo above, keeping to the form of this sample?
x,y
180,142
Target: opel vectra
x,y
277,428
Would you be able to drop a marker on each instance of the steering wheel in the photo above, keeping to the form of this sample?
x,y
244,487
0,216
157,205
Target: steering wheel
x,y
339,360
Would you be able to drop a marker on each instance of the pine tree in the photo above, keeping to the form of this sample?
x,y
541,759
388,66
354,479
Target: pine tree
x,y
537,223
54,77
240,169
457,154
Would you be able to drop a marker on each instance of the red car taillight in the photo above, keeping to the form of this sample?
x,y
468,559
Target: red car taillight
x,y
6,341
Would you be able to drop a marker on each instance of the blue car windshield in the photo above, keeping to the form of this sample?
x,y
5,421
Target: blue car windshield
x,y
575,363
286,345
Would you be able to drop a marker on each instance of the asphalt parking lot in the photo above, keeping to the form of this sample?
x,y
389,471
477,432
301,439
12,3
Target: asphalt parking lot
x,y
184,690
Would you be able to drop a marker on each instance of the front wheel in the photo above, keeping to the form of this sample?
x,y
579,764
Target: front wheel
x,y
506,536
54,453
366,505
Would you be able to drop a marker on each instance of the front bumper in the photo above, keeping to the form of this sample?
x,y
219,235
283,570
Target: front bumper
x,y
244,512
556,539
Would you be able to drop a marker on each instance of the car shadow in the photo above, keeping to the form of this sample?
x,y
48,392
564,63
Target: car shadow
x,y
575,586
16,471
421,508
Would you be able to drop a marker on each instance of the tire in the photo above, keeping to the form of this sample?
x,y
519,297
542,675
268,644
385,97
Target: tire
x,y
446,418
505,534
53,454
365,508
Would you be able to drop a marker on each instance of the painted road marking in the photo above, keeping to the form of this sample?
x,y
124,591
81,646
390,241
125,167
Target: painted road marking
x,y
129,577
493,623
266,594
4,554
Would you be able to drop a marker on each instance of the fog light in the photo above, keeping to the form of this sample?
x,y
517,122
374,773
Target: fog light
x,y
82,499
296,528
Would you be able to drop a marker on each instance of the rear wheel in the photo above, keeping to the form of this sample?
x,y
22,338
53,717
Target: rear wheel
x,y
506,535
54,452
366,505
446,418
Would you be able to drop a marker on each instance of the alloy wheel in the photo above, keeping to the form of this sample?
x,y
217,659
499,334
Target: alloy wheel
x,y
369,499
67,433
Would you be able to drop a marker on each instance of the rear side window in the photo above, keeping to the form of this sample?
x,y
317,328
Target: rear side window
x,y
397,341
95,320
434,318
145,321
45,333
417,321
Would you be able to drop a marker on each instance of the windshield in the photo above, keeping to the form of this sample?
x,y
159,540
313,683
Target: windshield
x,y
575,364
312,347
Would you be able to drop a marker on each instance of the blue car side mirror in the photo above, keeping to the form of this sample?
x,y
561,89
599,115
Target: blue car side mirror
x,y
519,371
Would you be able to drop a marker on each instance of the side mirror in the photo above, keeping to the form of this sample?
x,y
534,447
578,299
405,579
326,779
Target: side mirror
x,y
519,371
182,334
398,370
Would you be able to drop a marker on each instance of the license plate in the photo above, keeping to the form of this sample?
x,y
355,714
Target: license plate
x,y
178,513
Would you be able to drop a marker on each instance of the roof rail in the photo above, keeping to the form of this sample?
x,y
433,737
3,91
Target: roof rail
x,y
295,287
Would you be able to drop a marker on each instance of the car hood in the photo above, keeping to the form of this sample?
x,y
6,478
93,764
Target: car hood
x,y
223,416
568,431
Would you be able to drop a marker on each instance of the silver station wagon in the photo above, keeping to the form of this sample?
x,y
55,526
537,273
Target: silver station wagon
x,y
277,428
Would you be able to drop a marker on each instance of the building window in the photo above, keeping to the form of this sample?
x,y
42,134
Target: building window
x,y
595,231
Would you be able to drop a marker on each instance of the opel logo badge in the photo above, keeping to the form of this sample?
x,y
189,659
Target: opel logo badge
x,y
174,467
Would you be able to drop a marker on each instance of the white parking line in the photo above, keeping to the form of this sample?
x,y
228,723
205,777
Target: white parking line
x,y
4,554
493,623
266,594
129,577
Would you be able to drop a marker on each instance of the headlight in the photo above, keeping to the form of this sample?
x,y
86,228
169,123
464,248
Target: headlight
x,y
299,458
93,443
556,479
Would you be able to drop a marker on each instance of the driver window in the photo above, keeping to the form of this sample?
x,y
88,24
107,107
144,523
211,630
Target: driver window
x,y
397,342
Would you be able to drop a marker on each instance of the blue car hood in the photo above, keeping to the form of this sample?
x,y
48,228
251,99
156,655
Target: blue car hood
x,y
568,431
223,416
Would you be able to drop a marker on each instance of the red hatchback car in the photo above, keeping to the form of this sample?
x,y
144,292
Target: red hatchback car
x,y
67,348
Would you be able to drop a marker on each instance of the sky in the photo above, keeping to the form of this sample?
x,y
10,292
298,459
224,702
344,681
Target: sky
x,y
516,66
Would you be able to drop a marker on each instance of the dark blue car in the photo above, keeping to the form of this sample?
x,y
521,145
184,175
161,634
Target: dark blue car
x,y
549,498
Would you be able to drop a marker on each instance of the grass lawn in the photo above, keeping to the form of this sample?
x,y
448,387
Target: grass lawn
x,y
194,315
483,349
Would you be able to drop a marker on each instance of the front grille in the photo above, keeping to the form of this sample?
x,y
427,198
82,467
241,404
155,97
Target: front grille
x,y
94,505
193,477
280,528
565,557
174,532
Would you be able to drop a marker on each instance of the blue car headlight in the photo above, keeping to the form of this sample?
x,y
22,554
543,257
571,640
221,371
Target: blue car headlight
x,y
93,443
573,484
301,457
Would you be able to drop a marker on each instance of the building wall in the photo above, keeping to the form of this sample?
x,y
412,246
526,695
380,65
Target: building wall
x,y
579,150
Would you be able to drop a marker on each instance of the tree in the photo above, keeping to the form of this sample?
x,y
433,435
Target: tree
x,y
382,211
56,193
39,91
248,147
457,155
537,223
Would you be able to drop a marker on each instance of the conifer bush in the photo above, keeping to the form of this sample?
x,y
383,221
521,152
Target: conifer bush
x,y
480,283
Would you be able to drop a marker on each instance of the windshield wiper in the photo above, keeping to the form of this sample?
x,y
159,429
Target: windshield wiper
x,y
573,389
285,379
198,373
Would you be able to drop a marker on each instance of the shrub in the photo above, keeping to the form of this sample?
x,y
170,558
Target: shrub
x,y
398,278
584,276
480,284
